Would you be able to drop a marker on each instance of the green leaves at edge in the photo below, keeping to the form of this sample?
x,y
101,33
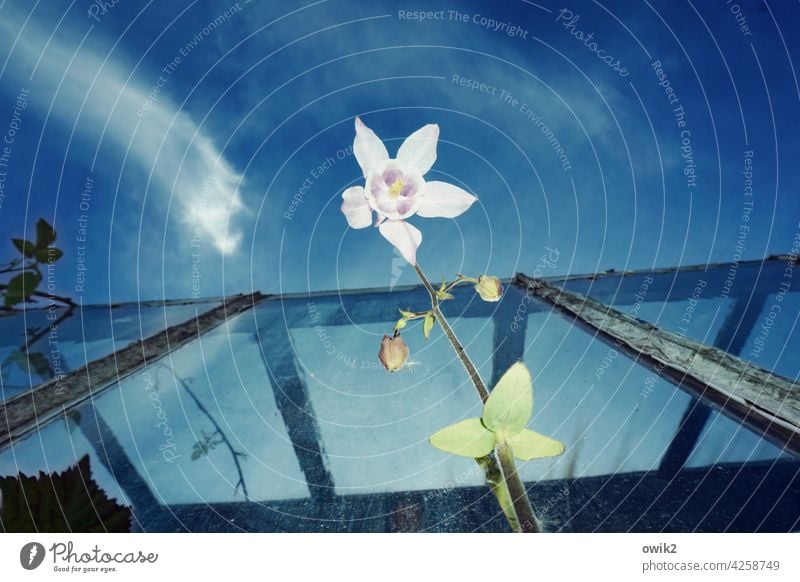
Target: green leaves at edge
x,y
21,287
45,234
27,248
48,254
69,501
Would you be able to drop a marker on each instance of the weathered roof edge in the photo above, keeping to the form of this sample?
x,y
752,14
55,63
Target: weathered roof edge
x,y
764,400
36,407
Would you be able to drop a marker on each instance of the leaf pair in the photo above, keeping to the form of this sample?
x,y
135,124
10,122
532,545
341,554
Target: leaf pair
x,y
429,319
45,236
506,413
442,293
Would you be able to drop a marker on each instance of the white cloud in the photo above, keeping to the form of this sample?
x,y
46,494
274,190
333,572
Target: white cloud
x,y
181,163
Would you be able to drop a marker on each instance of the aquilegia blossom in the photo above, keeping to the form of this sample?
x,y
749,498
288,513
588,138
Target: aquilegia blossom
x,y
396,190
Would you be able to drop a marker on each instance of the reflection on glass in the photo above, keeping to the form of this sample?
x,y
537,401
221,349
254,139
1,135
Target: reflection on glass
x,y
283,419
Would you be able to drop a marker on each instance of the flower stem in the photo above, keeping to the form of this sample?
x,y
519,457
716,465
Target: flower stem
x,y
500,469
528,522
460,279
494,477
448,331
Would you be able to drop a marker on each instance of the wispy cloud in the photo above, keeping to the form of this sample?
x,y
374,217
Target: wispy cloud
x,y
96,95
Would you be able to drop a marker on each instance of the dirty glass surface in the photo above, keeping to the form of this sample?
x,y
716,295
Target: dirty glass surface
x,y
749,309
282,419
38,344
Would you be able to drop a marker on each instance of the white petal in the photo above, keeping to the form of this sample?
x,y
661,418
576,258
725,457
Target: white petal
x,y
404,237
419,148
368,148
443,200
355,207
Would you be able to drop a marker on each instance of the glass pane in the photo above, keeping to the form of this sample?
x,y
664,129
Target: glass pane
x,y
375,425
61,341
774,342
54,449
289,398
197,422
725,440
749,309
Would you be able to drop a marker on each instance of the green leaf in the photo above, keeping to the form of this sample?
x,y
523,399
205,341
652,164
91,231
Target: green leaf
x,y
17,357
34,362
510,403
443,296
406,314
427,325
21,287
401,323
27,248
528,445
11,300
70,501
45,234
48,255
467,438
39,364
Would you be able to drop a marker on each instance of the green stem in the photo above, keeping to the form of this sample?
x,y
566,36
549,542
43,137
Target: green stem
x,y
416,315
448,331
459,279
519,497
494,477
503,479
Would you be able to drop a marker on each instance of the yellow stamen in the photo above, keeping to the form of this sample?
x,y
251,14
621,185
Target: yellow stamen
x,y
396,188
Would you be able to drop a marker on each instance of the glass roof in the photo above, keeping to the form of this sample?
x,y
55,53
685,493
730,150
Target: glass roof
x,y
733,306
282,419
63,340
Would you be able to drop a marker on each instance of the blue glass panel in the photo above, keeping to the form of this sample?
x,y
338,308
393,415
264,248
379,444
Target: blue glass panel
x,y
62,340
749,309
289,398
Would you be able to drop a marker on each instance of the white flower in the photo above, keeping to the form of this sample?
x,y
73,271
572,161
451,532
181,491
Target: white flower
x,y
396,190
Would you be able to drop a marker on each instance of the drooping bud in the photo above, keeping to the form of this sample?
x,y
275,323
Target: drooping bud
x,y
489,288
393,353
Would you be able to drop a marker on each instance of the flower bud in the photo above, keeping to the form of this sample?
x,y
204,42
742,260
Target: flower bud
x,y
489,288
393,353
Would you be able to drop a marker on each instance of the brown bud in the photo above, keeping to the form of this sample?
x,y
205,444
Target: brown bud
x,y
393,353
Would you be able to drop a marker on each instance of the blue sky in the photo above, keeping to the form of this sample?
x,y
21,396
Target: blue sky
x,y
197,164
